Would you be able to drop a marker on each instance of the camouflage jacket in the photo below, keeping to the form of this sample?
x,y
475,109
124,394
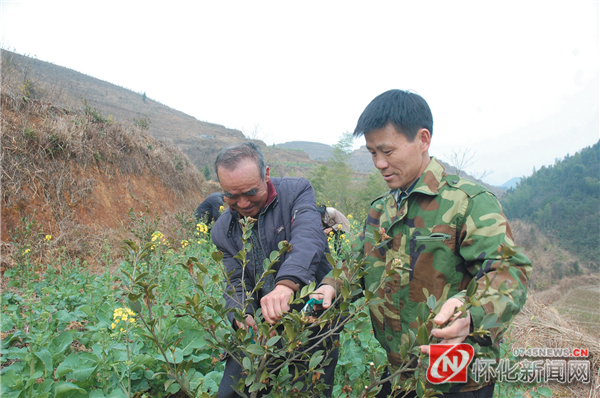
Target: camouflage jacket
x,y
448,230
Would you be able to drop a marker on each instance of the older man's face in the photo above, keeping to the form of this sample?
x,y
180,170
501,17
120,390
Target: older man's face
x,y
243,189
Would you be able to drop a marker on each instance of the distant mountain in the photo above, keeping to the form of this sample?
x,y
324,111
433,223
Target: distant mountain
x,y
315,150
511,183
360,160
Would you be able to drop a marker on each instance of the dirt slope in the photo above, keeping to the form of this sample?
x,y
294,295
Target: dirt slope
x,y
78,175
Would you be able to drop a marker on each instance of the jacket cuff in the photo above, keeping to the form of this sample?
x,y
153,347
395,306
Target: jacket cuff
x,y
291,283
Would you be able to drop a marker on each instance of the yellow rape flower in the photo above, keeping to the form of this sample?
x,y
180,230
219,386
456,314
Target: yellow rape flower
x,y
221,209
201,227
48,237
349,217
122,314
157,235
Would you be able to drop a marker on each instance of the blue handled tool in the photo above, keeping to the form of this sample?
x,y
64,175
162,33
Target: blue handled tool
x,y
310,303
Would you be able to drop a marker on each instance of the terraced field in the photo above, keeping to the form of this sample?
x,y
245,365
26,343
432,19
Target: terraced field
x,y
583,306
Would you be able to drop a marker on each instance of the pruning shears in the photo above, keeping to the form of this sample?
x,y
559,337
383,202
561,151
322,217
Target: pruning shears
x,y
309,305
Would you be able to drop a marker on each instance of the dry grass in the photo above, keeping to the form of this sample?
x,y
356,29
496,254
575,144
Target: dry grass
x,y
76,173
551,264
541,325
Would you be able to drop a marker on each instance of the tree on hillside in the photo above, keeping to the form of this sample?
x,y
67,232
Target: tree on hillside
x,y
461,159
333,183
563,200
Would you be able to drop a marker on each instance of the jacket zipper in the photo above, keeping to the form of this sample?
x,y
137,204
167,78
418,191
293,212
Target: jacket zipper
x,y
436,236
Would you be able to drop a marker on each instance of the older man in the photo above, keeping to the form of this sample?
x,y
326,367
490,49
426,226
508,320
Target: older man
x,y
285,209
446,229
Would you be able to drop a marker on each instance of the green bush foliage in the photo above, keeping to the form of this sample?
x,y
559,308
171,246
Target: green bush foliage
x,y
158,326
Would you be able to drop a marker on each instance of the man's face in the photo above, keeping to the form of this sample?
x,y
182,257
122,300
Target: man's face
x,y
400,161
243,189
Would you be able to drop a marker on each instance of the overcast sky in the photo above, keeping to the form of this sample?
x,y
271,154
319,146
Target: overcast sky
x,y
515,82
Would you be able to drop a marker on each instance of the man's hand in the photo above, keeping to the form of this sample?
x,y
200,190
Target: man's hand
x,y
325,292
249,324
327,230
456,332
276,303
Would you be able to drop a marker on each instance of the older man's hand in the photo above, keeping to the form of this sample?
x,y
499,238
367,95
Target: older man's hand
x,y
250,324
276,303
457,331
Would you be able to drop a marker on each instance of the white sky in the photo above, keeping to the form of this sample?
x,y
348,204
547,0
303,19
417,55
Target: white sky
x,y
516,82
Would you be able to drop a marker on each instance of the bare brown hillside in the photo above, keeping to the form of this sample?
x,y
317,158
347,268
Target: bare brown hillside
x,y
77,174
200,141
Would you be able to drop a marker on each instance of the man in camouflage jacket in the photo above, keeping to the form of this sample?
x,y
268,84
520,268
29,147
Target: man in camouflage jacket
x,y
445,229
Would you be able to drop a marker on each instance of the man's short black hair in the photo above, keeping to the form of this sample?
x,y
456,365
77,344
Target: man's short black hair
x,y
407,112
233,154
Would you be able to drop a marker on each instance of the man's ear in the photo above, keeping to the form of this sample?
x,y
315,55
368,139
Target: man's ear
x,y
424,137
267,177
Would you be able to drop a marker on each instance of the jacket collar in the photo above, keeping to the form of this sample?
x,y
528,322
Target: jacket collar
x,y
431,180
429,183
271,196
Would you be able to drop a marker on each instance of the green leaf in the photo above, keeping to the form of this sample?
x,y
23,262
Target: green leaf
x,y
316,359
131,244
422,312
330,260
272,341
61,343
376,236
68,365
422,335
336,272
246,363
431,302
68,390
45,356
176,357
472,288
345,292
544,391
217,256
489,321
192,339
444,296
256,349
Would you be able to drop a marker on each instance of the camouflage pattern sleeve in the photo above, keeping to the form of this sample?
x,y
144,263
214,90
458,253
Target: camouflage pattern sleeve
x,y
486,244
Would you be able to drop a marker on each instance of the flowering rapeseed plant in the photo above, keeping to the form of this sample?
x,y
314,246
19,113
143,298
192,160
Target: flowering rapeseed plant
x,y
48,237
122,314
221,209
201,228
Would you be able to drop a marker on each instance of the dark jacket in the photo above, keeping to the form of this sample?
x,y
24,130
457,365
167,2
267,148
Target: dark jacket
x,y
290,215
210,207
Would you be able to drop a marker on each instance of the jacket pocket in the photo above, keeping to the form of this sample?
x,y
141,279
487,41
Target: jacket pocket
x,y
432,263
436,236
